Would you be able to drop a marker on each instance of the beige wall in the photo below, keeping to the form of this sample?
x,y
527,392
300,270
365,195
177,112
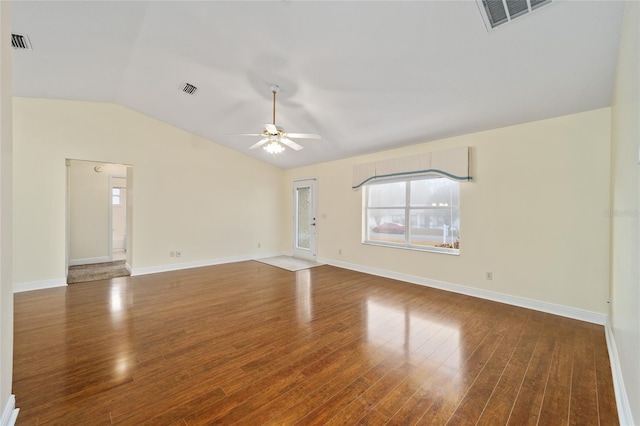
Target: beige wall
x,y
534,214
625,197
189,194
89,206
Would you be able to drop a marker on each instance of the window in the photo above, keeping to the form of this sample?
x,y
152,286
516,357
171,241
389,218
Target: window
x,y
115,196
421,214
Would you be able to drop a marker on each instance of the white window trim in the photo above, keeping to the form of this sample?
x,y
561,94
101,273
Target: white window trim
x,y
407,208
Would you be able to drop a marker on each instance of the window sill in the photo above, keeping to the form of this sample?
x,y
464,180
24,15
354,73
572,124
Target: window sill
x,y
441,250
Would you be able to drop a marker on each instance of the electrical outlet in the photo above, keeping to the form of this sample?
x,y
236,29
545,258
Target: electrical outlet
x,y
489,275
259,245
178,253
339,251
172,254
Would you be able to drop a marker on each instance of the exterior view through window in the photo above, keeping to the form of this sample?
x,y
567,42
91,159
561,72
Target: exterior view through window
x,y
421,214
115,196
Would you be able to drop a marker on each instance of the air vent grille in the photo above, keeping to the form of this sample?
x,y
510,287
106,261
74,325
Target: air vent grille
x,y
498,12
20,41
189,88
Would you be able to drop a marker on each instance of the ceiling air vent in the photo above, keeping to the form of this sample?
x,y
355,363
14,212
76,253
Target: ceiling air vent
x,y
498,12
20,41
189,88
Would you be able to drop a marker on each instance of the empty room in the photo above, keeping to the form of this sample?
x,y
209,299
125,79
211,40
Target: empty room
x,y
320,212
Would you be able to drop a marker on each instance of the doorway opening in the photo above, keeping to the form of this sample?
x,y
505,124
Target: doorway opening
x,y
99,220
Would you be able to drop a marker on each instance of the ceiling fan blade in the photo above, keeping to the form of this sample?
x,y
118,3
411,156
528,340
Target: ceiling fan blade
x,y
304,135
291,144
246,134
271,128
259,144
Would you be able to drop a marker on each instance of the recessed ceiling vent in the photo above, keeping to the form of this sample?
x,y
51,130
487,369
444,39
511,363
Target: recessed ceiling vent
x,y
498,12
20,41
189,88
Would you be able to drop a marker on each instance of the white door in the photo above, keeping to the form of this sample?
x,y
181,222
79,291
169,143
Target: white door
x,y
304,222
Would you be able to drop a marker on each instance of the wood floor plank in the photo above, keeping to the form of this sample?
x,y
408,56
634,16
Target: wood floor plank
x,y
453,388
337,403
501,401
247,343
242,403
583,406
557,394
180,409
374,418
472,405
368,400
526,409
412,411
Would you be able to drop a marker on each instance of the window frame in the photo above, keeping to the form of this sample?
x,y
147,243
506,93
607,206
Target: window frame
x,y
407,215
114,196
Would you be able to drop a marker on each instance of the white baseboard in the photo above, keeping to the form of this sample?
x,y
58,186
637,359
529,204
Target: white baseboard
x,y
62,282
89,260
10,413
537,305
39,285
622,400
198,263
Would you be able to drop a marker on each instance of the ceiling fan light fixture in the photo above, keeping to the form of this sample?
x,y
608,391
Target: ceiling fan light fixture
x,y
273,147
274,138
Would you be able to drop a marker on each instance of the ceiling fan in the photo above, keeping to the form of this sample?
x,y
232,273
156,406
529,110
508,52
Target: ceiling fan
x,y
274,137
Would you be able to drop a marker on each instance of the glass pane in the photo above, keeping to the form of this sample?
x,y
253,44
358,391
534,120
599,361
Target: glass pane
x,y
438,227
387,194
440,192
116,200
304,227
386,225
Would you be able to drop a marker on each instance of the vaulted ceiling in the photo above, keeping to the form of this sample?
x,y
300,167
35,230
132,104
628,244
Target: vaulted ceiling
x,y
364,75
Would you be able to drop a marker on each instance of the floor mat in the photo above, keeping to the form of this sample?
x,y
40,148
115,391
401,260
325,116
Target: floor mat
x,y
289,263
97,271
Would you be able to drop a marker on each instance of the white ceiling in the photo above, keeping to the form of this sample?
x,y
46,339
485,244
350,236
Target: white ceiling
x,y
365,75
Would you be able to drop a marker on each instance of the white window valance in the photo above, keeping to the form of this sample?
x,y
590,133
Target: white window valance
x,y
452,164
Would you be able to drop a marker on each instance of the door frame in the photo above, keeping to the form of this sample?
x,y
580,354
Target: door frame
x,y
310,254
128,175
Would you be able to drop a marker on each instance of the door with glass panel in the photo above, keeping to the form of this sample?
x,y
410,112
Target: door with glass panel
x,y
304,223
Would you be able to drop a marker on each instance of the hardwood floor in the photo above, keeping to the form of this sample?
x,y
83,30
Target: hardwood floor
x,y
252,344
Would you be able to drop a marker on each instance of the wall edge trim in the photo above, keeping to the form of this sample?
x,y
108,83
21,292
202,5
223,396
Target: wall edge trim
x,y
198,263
523,302
622,400
39,285
10,413
89,260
